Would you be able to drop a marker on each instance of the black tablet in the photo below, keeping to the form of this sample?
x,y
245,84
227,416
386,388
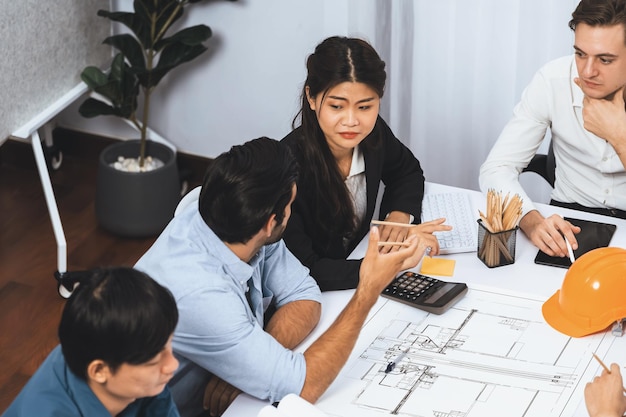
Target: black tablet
x,y
592,235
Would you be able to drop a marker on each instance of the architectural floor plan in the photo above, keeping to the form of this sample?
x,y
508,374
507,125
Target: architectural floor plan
x,y
490,355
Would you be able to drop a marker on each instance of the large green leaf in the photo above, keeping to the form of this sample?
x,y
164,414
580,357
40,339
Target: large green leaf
x,y
93,77
175,54
119,86
138,23
128,45
111,90
93,108
109,86
190,36
125,18
118,67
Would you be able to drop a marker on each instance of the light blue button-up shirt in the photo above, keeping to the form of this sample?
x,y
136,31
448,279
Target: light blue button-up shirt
x,y
217,331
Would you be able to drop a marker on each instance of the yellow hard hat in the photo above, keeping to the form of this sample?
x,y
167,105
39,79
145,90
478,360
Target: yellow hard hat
x,y
592,296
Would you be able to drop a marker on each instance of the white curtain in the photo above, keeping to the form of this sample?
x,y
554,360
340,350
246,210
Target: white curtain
x,y
456,69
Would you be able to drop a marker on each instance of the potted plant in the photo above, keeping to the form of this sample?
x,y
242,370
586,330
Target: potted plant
x,y
138,195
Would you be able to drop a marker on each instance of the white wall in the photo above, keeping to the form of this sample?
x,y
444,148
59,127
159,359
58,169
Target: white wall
x,y
456,69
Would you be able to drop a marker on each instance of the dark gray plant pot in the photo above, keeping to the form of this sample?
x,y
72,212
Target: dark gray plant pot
x,y
136,204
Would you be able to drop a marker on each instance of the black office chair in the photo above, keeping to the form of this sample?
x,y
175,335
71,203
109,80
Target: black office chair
x,y
544,165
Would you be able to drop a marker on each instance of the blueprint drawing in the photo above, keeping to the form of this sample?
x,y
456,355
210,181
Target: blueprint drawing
x,y
490,355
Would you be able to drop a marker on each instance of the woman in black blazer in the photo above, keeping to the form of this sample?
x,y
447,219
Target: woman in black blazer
x,y
345,149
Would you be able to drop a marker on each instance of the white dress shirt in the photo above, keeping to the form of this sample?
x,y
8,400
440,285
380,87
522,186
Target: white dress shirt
x,y
588,170
357,186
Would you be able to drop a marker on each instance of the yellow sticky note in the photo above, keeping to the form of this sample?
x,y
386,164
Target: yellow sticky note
x,y
437,266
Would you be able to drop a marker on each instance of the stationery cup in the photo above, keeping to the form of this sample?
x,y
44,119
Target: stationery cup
x,y
496,249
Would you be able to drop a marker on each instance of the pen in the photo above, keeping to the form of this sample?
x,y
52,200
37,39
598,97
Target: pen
x,y
396,361
570,251
601,363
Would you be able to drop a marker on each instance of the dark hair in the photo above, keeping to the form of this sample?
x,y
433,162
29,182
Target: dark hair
x,y
119,315
600,13
334,61
243,187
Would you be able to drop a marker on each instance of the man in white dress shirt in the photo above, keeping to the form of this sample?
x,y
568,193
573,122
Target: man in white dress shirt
x,y
580,98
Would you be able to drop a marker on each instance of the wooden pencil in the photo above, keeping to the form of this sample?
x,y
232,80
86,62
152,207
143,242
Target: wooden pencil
x,y
385,223
393,243
604,366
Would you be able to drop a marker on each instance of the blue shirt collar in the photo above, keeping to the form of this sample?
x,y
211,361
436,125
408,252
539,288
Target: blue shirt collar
x,y
233,266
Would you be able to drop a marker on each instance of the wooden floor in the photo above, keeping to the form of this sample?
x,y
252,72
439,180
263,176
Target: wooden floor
x,y
29,302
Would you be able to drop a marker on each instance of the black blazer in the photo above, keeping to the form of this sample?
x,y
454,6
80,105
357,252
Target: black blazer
x,y
393,164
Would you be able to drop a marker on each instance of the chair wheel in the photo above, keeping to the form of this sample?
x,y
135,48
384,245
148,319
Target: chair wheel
x,y
56,160
64,292
54,157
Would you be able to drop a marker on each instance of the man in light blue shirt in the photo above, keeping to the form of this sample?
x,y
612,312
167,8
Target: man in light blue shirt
x,y
225,263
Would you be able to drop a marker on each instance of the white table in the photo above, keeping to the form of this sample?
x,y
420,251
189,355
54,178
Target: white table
x,y
524,277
